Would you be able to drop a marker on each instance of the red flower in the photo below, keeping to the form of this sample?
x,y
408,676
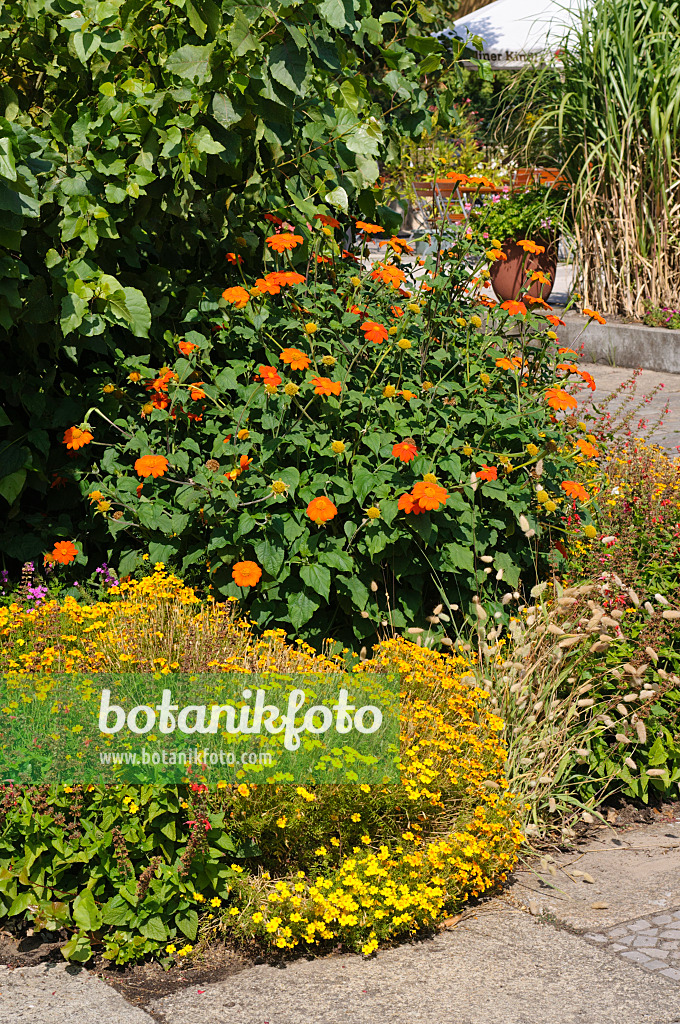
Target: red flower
x,y
269,375
369,229
514,308
374,332
266,286
272,218
320,510
558,399
237,296
285,241
231,257
186,347
326,386
594,316
407,503
555,321
328,222
429,495
487,473
64,552
404,451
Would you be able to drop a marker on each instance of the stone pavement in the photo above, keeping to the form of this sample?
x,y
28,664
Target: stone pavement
x,y
554,948
609,378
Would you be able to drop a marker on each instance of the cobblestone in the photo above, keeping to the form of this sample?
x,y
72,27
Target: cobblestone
x,y
655,945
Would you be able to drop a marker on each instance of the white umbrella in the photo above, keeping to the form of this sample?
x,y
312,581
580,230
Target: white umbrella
x,y
516,32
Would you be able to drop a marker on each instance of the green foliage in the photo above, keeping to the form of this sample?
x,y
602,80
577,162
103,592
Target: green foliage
x,y
657,317
241,454
139,143
534,213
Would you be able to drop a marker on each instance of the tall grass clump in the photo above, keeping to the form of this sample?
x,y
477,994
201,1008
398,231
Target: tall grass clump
x,y
612,121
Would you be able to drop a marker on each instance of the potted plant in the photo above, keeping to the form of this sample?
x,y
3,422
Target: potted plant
x,y
535,214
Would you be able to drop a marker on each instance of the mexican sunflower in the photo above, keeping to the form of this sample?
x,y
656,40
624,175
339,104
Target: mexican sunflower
x,y
370,229
509,364
160,383
237,296
594,316
407,503
244,462
76,437
64,552
320,510
186,347
328,222
559,399
285,241
267,286
246,574
151,465
513,307
529,246
397,244
487,473
495,255
555,321
404,451
374,332
567,351
196,391
285,277
587,449
389,275
325,386
269,375
272,218
429,495
294,358
588,378
539,276
574,490
231,257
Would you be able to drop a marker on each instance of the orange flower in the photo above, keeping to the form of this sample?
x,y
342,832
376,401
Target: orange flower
x,y
407,395
534,300
272,218
76,437
480,179
429,495
328,222
326,386
323,259
397,244
567,351
487,473
457,179
539,276
588,379
397,311
186,347
246,574
162,380
370,229
574,490
495,255
374,332
509,364
296,359
568,367
243,464
270,375
237,296
285,241
513,307
404,451
284,277
151,465
594,316
587,449
320,510
559,399
530,246
64,552
407,503
555,321
196,391
231,257
267,286
389,275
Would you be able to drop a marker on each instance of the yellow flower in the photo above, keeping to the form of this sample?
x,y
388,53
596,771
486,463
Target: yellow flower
x,y
311,328
550,506
373,512
495,243
282,821
257,917
338,447
108,389
392,330
216,902
279,487
532,449
427,384
590,531
185,950
291,389
132,807
366,840
403,344
328,360
68,789
542,495
551,335
221,784
243,790
356,281
467,450
321,851
364,788
356,817
485,379
430,478
389,391
461,322
413,307
243,435
334,841
476,321
233,911
172,948
270,389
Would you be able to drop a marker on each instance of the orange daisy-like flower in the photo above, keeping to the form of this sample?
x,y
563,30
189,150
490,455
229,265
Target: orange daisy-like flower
x,y
160,384
429,495
406,394
231,257
243,464
151,465
404,451
567,351
328,222
323,259
237,296
284,242
574,490
325,386
480,179
76,437
555,321
186,347
407,503
267,286
509,364
529,246
568,367
457,179
535,300
286,277
196,391
64,552
270,375
246,574
587,449
495,255
514,308
389,275
320,510
397,244
559,399
597,317
370,229
294,358
539,276
374,332
487,473
587,377
397,311
272,218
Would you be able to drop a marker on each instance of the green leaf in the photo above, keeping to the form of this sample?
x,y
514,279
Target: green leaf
x,y
11,485
191,62
334,13
77,948
7,166
223,110
140,314
337,197
270,556
239,35
288,65
85,911
154,928
318,578
117,911
187,922
301,607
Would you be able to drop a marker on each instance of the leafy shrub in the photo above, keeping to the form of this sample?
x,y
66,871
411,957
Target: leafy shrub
x,y
657,317
140,870
314,446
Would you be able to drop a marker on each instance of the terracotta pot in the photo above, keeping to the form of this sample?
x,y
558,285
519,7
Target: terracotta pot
x,y
509,276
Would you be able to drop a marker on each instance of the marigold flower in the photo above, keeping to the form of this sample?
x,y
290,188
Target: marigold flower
x,y
369,229
429,494
320,510
134,376
234,474
529,246
594,316
237,296
269,374
186,347
246,574
294,358
151,465
325,386
588,378
532,449
509,364
374,332
77,437
338,447
243,790
404,450
328,222
514,308
559,399
567,351
64,552
284,241
575,490
487,473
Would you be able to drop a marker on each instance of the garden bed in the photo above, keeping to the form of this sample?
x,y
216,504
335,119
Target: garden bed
x,y
619,343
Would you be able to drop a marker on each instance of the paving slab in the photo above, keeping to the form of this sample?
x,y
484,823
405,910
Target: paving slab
x,y
609,378
62,994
